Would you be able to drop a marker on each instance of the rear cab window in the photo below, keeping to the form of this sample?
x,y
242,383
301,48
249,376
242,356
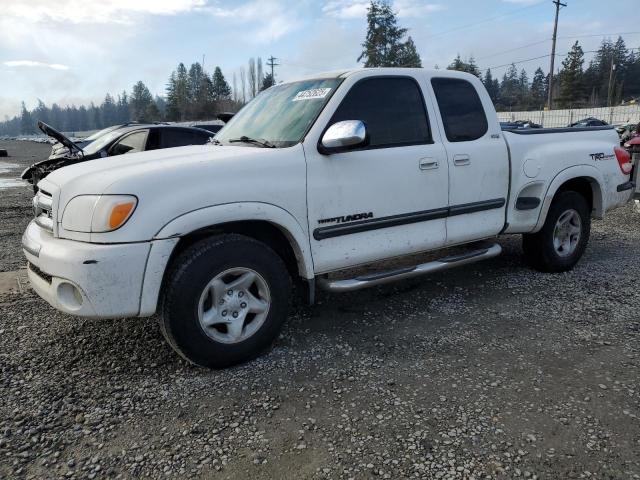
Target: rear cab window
x,y
392,108
173,137
461,109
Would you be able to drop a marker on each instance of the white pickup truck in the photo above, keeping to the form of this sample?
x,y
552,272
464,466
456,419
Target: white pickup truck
x,y
310,181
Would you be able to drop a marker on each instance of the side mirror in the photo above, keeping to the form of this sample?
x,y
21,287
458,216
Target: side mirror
x,y
343,136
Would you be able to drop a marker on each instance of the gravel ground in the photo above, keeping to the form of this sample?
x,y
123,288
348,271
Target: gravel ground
x,y
494,371
15,198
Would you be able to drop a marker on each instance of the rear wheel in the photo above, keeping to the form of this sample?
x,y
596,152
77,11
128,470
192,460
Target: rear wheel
x,y
225,300
559,245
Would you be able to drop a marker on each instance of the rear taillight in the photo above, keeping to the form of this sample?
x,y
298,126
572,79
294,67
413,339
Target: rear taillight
x,y
624,160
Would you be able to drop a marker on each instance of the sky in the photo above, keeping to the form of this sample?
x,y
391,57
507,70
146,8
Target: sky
x,y
75,51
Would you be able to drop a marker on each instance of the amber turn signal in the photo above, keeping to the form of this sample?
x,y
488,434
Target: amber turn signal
x,y
120,213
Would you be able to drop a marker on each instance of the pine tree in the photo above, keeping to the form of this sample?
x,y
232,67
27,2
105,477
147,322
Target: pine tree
x,y
221,89
538,89
468,66
123,107
523,83
109,111
510,87
493,89
182,91
83,119
41,113
571,86
140,102
267,82
383,46
196,93
27,126
408,56
173,108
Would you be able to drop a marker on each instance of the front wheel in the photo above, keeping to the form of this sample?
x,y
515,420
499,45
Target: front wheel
x,y
225,300
559,245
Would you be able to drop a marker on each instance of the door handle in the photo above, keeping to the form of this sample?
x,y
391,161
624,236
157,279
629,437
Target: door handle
x,y
461,160
428,164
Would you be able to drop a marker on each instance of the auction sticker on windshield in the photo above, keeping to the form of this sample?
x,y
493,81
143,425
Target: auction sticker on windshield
x,y
311,94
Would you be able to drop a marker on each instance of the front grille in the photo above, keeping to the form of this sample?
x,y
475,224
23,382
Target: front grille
x,y
45,276
43,209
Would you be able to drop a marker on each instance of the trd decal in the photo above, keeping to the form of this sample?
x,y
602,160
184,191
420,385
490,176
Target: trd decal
x,y
601,156
347,218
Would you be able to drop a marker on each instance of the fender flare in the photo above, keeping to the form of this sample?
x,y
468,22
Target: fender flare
x,y
245,211
588,172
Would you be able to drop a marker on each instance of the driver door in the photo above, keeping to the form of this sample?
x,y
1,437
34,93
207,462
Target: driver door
x,y
387,198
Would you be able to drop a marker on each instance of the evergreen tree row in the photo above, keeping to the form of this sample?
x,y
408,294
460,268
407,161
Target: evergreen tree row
x,y
190,95
611,78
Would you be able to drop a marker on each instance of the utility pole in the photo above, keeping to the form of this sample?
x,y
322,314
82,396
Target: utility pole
x,y
610,89
558,4
271,62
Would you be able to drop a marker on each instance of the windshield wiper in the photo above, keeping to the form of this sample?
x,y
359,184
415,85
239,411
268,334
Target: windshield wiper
x,y
255,141
215,141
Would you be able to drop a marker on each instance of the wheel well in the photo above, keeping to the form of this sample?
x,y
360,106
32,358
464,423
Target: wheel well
x,y
262,231
584,186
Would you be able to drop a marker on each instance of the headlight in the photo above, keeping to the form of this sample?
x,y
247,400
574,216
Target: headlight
x,y
98,213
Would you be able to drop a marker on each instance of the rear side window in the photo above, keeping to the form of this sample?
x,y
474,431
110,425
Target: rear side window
x,y
391,108
180,138
461,109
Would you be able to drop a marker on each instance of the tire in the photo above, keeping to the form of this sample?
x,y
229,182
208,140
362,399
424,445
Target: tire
x,y
191,295
541,253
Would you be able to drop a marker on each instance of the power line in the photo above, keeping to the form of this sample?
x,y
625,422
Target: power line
x,y
598,35
518,62
485,20
514,49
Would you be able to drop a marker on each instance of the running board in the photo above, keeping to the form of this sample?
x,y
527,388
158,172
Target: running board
x,y
380,278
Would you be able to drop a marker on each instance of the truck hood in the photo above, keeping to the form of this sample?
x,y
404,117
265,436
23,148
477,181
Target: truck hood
x,y
102,175
171,182
59,137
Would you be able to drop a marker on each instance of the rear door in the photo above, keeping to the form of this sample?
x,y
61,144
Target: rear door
x,y
385,199
478,160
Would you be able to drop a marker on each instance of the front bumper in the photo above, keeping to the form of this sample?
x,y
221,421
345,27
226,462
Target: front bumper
x,y
94,280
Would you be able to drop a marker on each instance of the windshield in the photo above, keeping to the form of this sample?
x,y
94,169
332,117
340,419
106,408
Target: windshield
x,y
101,142
282,114
98,134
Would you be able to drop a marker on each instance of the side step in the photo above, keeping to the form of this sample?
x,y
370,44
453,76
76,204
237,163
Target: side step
x,y
379,278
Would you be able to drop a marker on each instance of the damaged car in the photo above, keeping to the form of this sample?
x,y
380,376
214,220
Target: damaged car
x,y
112,141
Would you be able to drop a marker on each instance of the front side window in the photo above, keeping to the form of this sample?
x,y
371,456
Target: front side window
x,y
392,108
461,109
132,143
280,115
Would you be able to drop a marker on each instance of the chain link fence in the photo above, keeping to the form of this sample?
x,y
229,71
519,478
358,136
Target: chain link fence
x,y
620,115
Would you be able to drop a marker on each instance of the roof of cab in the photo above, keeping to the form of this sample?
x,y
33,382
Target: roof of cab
x,y
387,70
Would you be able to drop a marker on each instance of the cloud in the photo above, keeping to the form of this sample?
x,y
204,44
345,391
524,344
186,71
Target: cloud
x,y
269,19
31,63
522,2
348,10
96,11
